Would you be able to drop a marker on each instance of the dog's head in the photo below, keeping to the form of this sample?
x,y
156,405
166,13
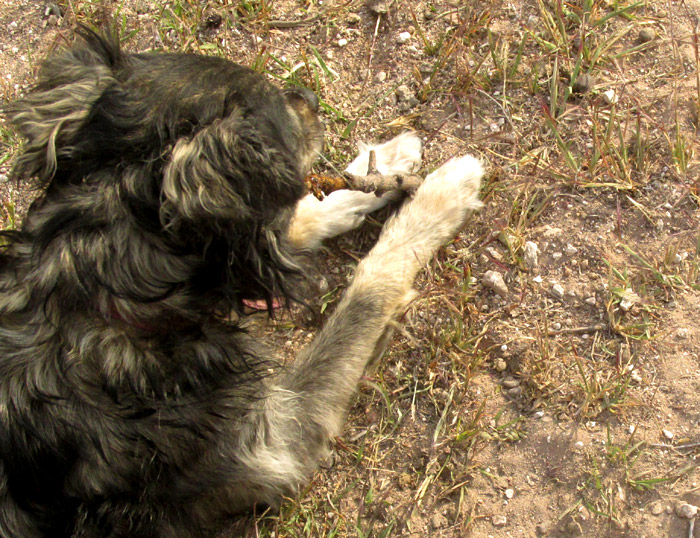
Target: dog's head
x,y
202,155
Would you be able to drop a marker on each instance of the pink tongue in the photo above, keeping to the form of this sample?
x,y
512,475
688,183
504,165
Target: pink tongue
x,y
260,304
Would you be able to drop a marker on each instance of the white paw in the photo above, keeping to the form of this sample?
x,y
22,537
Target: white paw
x,y
457,182
400,155
347,209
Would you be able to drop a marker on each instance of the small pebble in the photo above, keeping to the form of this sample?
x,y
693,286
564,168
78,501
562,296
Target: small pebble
x,y
52,9
499,520
657,509
583,83
667,434
494,281
646,35
558,291
530,254
688,511
590,301
380,77
379,7
500,365
510,382
515,392
570,250
438,521
682,333
342,42
509,493
353,18
629,299
495,254
404,93
403,37
610,97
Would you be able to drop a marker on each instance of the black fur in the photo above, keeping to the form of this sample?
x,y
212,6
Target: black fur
x,y
168,181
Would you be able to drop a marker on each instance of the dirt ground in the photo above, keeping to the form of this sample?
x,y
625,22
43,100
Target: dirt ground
x,y
547,381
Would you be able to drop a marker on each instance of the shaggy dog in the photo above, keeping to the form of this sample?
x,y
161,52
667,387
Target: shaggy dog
x,y
171,188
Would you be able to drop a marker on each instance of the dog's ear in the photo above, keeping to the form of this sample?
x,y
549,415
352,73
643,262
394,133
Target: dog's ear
x,y
226,176
50,117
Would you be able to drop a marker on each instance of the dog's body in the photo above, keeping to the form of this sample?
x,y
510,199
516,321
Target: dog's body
x,y
128,406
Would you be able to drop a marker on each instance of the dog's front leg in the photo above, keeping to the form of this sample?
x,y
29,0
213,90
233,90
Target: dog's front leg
x,y
307,404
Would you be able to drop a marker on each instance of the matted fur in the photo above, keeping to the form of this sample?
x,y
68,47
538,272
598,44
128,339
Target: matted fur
x,y
129,407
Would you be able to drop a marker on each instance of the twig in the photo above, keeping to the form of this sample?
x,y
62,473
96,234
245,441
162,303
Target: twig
x,y
677,447
578,330
380,183
292,24
374,181
371,54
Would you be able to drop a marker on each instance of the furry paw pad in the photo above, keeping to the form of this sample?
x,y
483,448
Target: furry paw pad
x,y
459,179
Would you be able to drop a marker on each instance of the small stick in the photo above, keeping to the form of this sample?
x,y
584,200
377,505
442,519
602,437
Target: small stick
x,y
372,162
373,182
380,183
677,447
577,330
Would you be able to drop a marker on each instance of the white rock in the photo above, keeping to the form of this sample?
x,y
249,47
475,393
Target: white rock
x,y
682,333
342,42
636,376
403,37
494,280
353,18
380,77
509,493
499,520
686,510
657,509
570,250
629,299
538,279
404,93
610,97
556,255
668,434
590,301
530,254
495,254
558,291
